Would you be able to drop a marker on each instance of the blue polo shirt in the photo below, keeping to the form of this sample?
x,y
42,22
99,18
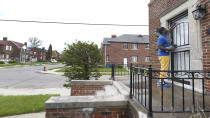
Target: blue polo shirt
x,y
163,41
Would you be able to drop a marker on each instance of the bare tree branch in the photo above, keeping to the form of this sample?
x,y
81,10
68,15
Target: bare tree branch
x,y
35,42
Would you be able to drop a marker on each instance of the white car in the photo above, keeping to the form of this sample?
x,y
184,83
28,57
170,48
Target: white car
x,y
53,61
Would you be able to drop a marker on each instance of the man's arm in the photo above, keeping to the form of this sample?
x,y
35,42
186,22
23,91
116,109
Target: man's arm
x,y
165,49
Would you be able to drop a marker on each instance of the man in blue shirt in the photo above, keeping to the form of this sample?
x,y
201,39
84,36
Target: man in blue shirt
x,y
164,49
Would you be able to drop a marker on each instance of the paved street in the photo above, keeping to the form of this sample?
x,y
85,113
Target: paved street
x,y
30,77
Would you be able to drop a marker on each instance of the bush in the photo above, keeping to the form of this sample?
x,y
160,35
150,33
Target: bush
x,y
11,61
82,60
1,62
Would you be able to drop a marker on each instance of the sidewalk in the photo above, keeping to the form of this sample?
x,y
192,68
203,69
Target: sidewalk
x,y
31,115
27,91
52,72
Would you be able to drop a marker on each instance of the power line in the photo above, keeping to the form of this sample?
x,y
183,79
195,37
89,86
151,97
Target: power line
x,y
71,23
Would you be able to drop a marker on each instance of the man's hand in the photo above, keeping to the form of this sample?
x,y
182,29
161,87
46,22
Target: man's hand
x,y
165,49
169,49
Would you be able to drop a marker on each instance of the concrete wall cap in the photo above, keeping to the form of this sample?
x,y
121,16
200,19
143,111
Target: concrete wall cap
x,y
124,90
91,82
86,101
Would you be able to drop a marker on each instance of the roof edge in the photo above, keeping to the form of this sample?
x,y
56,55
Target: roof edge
x,y
151,1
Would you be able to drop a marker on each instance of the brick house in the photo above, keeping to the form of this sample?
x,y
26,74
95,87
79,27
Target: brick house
x,y
56,55
11,50
190,35
38,54
126,49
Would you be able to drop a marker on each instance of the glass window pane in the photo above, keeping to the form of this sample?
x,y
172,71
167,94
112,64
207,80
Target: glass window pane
x,y
186,33
178,36
187,60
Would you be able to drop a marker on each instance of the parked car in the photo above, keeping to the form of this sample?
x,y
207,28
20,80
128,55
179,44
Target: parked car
x,y
53,61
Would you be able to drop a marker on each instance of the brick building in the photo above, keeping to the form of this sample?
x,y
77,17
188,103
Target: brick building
x,y
56,55
11,50
126,49
38,54
190,35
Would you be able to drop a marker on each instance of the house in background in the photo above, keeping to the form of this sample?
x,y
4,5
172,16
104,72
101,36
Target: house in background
x,y
191,36
56,55
38,54
11,50
126,49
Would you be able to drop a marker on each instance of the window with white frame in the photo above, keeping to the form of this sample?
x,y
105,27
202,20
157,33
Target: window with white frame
x,y
107,58
8,48
2,56
147,59
7,56
134,46
134,59
125,45
147,46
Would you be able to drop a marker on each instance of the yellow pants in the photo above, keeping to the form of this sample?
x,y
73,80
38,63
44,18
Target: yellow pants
x,y
164,62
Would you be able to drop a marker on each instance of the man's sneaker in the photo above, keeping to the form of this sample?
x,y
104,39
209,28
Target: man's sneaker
x,y
166,85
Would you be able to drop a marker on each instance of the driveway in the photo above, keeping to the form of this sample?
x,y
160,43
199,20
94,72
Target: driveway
x,y
30,77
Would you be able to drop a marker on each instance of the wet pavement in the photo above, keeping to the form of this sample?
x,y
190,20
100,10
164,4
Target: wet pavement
x,y
180,102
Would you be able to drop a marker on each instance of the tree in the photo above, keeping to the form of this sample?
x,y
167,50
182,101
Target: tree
x,y
49,53
34,42
82,60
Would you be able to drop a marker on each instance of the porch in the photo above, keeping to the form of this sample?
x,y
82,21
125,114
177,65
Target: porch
x,y
180,100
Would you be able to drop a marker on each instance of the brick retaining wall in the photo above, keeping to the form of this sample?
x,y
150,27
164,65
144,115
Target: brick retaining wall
x,y
85,90
79,113
87,87
83,101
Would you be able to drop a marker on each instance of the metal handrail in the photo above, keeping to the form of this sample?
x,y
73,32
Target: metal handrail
x,y
141,88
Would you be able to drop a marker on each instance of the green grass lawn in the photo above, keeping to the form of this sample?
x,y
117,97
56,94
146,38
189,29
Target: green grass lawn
x,y
14,105
60,70
55,68
24,64
100,69
110,70
116,73
103,71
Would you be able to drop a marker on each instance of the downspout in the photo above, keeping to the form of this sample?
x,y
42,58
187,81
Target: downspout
x,y
20,55
105,55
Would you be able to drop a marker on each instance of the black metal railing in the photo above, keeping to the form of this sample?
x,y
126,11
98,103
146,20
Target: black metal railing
x,y
120,70
176,99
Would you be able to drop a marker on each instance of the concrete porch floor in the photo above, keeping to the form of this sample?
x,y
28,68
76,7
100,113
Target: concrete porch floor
x,y
167,100
178,101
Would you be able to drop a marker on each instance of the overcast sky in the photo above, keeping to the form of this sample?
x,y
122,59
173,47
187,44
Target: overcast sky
x,y
88,11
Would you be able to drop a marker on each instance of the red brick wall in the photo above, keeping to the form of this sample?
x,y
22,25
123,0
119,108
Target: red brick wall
x,y
97,113
14,53
155,9
205,24
39,55
85,90
159,6
117,53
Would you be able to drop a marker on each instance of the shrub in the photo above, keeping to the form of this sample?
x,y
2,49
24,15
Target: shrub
x,y
11,61
1,62
82,60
